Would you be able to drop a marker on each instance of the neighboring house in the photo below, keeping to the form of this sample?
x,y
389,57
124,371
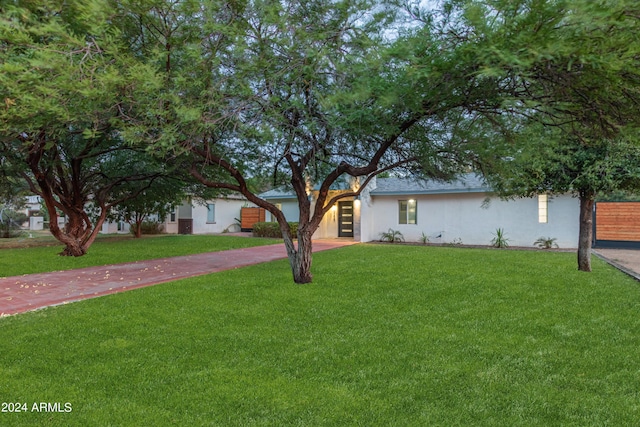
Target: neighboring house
x,y
114,227
33,205
463,211
33,209
206,216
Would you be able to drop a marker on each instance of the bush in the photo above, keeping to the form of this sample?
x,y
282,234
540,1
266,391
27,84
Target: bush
x,y
546,242
500,240
392,236
272,229
148,227
11,224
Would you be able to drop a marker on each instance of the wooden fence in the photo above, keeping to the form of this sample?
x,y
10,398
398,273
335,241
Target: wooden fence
x,y
249,216
617,224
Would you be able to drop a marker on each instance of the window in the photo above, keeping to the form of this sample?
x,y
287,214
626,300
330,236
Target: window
x,y
172,216
211,213
543,201
408,211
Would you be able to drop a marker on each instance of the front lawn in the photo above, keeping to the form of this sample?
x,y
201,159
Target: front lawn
x,y
386,335
120,249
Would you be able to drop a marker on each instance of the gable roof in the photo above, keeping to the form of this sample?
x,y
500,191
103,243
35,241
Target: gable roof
x,y
468,183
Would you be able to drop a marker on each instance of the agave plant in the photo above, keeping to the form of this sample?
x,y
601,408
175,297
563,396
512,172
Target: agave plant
x,y
391,236
500,240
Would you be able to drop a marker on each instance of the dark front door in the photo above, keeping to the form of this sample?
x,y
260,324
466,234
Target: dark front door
x,y
185,226
345,219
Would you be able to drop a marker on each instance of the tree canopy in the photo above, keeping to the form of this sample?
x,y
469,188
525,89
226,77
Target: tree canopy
x,y
66,86
310,93
573,124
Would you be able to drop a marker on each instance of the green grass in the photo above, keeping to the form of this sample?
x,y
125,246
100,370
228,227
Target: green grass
x,y
117,250
386,335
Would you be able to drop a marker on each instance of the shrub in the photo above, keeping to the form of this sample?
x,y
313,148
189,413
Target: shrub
x,y
391,236
272,229
424,239
500,240
546,243
148,227
11,224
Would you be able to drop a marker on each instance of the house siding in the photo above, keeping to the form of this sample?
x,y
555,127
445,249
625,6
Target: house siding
x,y
226,212
466,218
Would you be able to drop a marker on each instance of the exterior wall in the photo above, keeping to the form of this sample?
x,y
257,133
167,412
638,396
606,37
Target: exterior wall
x,y
328,228
226,212
115,227
289,208
464,217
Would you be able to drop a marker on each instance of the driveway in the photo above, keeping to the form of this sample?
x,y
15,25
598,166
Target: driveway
x,y
627,260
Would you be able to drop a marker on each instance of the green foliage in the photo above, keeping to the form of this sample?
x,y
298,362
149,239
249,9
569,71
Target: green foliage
x,y
455,242
68,87
424,238
148,227
546,243
500,239
272,229
391,236
389,335
11,223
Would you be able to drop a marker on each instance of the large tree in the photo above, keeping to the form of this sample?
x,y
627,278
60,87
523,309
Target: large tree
x,y
573,125
307,92
66,86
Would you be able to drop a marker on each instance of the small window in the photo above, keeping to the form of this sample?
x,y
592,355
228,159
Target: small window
x,y
172,216
543,213
211,213
408,211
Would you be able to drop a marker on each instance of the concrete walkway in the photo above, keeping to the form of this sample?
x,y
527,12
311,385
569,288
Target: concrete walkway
x,y
625,260
19,294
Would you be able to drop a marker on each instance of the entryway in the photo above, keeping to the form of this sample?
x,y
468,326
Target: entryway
x,y
345,219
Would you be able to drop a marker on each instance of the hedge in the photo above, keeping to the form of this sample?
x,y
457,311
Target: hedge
x,y
272,229
148,227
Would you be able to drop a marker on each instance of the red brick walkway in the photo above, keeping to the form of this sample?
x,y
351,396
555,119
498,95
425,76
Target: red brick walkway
x,y
19,294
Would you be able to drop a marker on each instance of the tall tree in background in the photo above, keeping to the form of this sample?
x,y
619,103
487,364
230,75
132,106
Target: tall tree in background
x,y
65,85
159,200
309,92
573,124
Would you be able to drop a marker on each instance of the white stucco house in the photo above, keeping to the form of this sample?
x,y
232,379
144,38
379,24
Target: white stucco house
x,y
206,216
463,211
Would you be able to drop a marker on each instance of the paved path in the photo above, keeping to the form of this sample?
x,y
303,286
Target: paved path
x,y
626,260
19,294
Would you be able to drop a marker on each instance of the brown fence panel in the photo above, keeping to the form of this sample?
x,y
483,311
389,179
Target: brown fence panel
x,y
249,216
618,221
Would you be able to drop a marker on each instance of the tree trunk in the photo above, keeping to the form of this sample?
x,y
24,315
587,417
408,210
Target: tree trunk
x,y
300,256
138,229
74,249
73,237
586,231
79,234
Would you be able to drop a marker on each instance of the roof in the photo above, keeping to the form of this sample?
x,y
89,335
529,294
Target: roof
x,y
468,183
282,193
278,194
